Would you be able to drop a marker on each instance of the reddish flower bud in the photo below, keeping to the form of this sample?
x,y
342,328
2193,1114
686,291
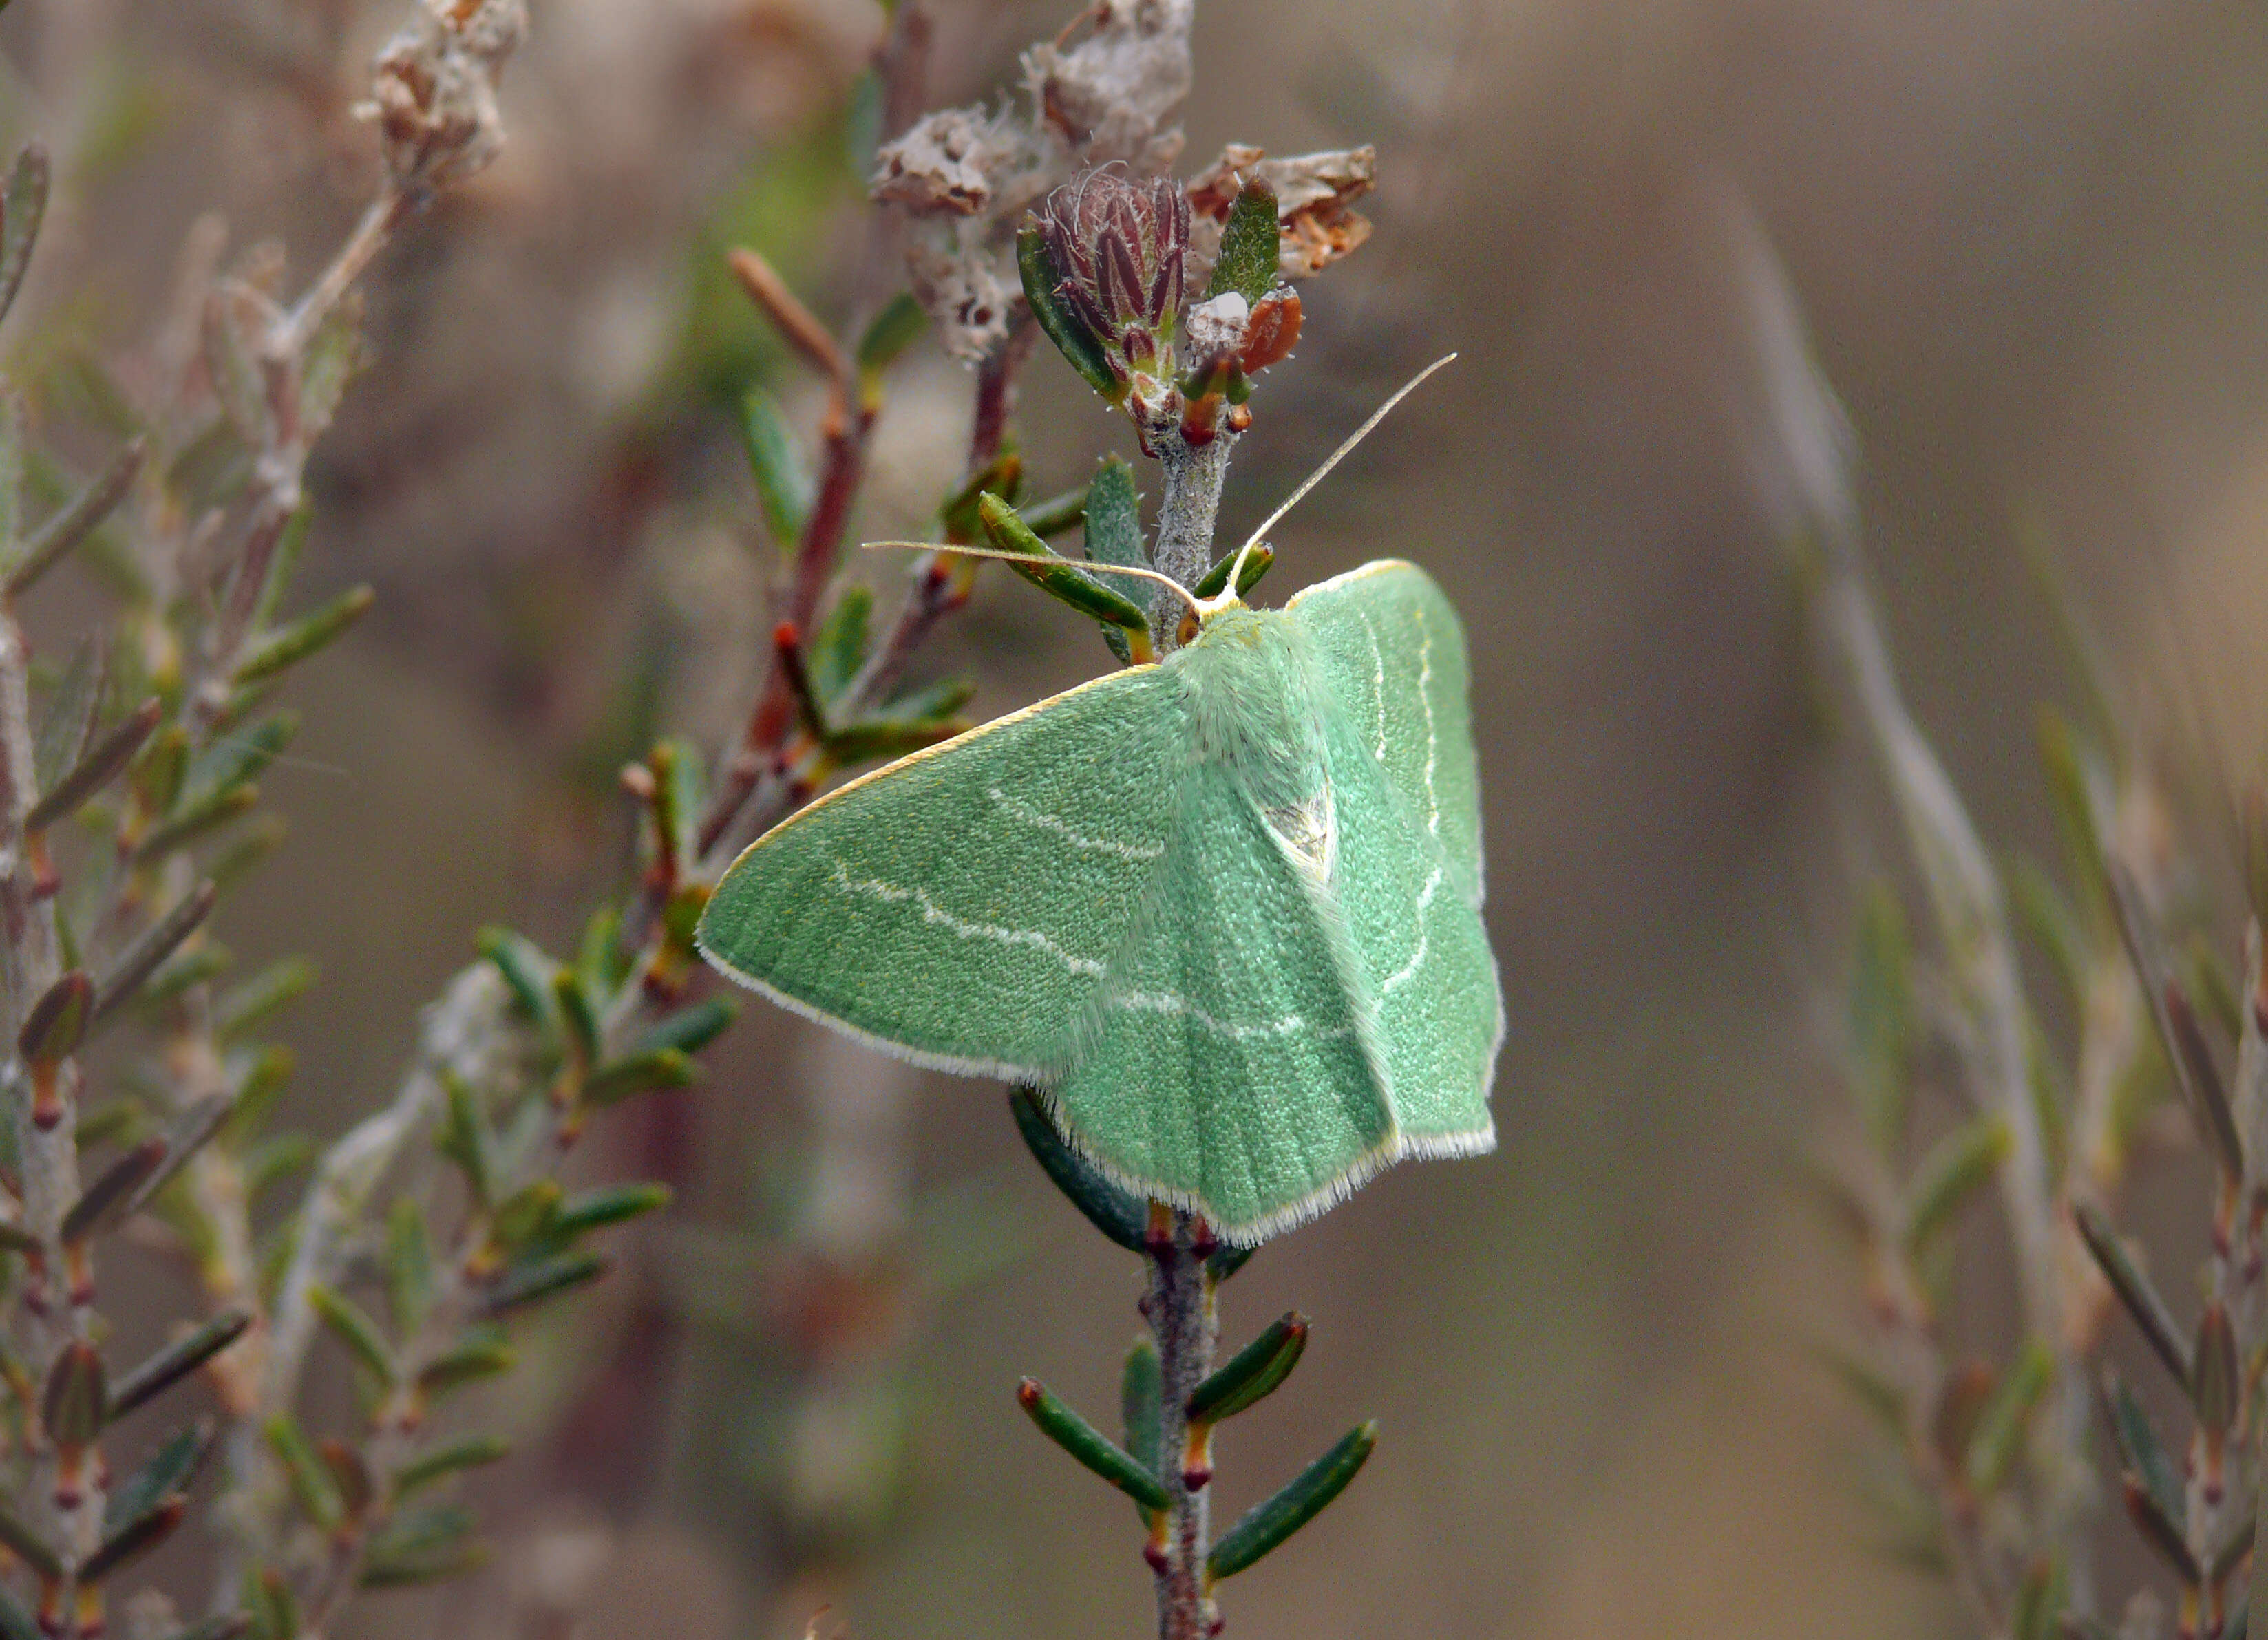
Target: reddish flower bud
x,y
1118,246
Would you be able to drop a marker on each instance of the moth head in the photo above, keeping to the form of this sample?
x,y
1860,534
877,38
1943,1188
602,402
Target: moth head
x,y
1197,612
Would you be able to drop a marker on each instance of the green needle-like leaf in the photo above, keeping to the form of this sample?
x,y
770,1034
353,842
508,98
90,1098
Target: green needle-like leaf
x,y
1108,1209
247,1008
1253,1374
480,1354
56,1024
2217,1389
688,1030
470,1453
195,821
67,716
2203,1076
72,523
1057,514
1114,517
526,1215
351,1325
152,947
2145,1455
1999,1433
425,1545
1090,1447
28,1544
1267,1528
1956,1167
619,1080
2135,1292
409,1266
101,763
168,1471
578,1012
1058,576
525,970
1256,564
613,1204
1141,1410
2201,1093
76,1400
872,738
310,1478
103,1204
22,207
1880,1018
928,701
288,645
464,1137
2039,1602
839,648
784,486
895,330
275,1608
532,1284
176,1361
190,1132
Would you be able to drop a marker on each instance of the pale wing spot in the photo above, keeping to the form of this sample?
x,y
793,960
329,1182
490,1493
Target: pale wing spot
x,y
1426,700
1309,833
1408,971
1166,1001
890,893
1031,816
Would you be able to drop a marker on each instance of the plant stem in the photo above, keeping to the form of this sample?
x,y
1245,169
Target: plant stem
x,y
1194,474
48,1157
1180,1308
297,327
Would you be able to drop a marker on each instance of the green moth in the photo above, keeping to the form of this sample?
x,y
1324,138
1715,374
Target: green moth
x,y
1223,909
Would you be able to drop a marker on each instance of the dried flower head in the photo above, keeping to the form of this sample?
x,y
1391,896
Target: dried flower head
x,y
1314,198
1103,91
433,89
1119,248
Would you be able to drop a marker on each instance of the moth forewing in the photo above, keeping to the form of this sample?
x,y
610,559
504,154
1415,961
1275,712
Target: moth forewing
x,y
958,906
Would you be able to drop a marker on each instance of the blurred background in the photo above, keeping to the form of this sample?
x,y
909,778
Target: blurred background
x,y
2031,242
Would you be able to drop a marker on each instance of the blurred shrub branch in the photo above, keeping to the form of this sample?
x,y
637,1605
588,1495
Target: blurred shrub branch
x,y
1999,1438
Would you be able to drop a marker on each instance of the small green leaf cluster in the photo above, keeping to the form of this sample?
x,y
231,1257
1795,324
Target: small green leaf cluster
x,y
148,1083
1102,270
1164,1458
2155,1015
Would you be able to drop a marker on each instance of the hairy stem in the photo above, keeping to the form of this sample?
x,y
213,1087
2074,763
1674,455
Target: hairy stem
x,y
58,1305
1194,474
297,327
1180,1308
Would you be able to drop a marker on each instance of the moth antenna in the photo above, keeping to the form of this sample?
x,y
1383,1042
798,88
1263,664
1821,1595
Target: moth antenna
x,y
1087,564
286,758
1236,570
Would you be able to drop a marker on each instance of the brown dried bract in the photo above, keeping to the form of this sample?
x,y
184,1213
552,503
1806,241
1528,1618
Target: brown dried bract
x,y
1108,96
1314,196
947,163
433,89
